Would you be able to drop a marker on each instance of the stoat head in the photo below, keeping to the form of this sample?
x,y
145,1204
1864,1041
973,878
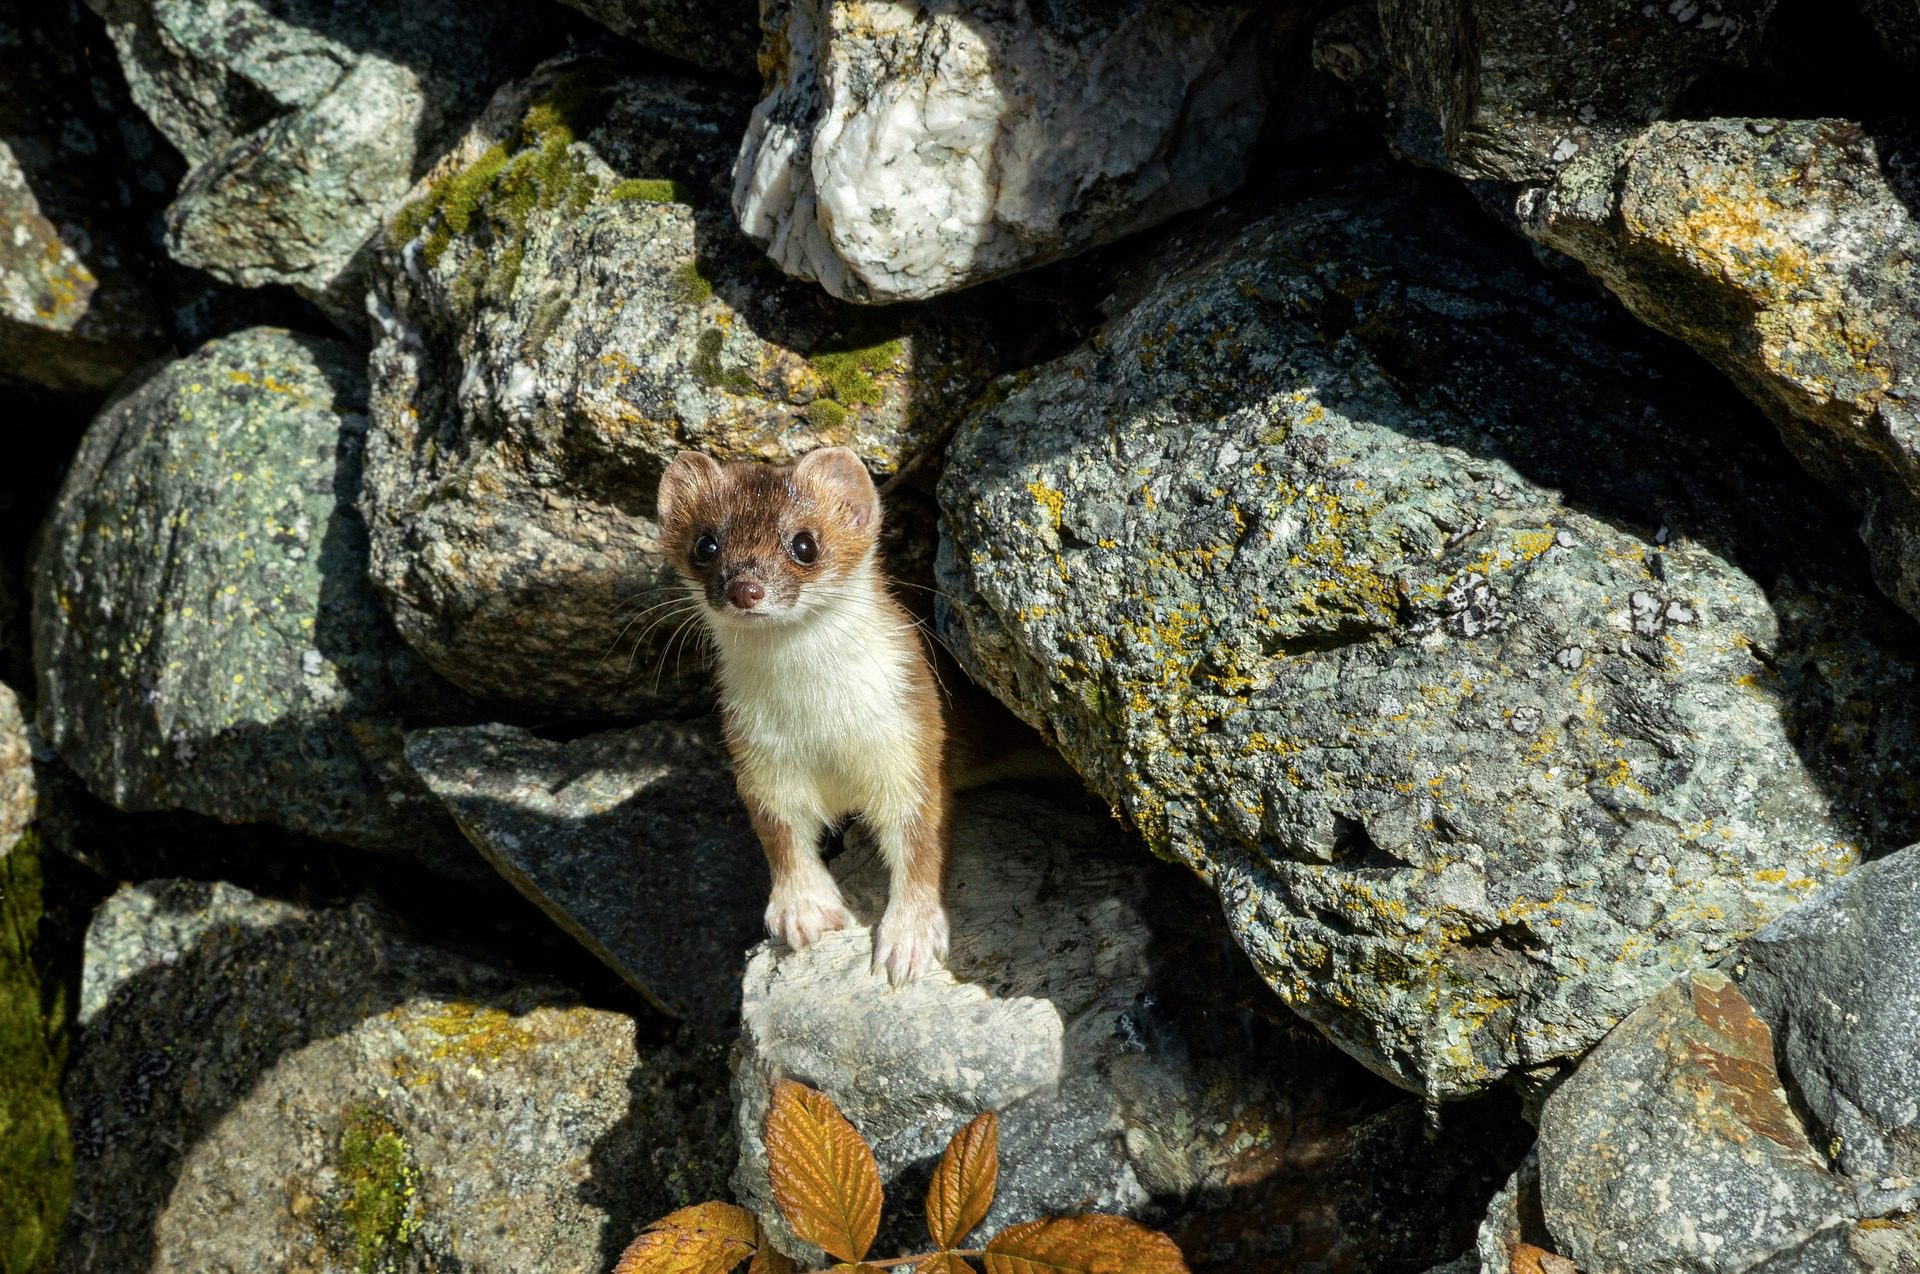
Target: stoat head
x,y
765,544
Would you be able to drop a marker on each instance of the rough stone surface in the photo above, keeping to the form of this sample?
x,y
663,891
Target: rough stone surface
x,y
204,635
630,840
17,787
1838,980
305,122
314,1084
1673,1146
1788,253
1897,22
1490,663
723,36
75,314
566,305
904,151
1515,91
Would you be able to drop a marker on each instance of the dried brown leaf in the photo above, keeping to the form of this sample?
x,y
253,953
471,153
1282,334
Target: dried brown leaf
x,y
768,1259
963,1184
824,1177
943,1263
1083,1245
709,1238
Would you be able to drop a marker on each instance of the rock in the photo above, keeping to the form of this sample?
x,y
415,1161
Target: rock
x,y
1673,1145
1517,91
314,1084
1784,251
1468,645
305,124
907,151
17,788
1056,1013
723,37
204,636
75,312
567,305
631,841
1897,22
1838,980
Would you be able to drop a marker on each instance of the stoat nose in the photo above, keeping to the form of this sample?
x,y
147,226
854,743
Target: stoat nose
x,y
745,594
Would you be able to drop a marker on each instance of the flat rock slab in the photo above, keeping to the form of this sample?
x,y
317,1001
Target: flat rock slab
x,y
1484,720
633,841
319,1085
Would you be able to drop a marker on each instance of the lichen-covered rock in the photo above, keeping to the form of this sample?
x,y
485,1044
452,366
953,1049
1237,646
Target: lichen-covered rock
x,y
908,150
1788,253
566,305
75,312
305,123
1089,1005
620,838
1482,657
17,787
1838,980
313,1084
722,36
203,631
1516,90
1673,1146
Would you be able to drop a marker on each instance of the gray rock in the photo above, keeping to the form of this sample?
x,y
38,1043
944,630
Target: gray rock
x,y
1052,1015
1673,1146
203,632
75,313
305,122
630,840
1467,645
566,305
315,1085
907,151
1838,980
1784,251
17,787
723,37
1515,91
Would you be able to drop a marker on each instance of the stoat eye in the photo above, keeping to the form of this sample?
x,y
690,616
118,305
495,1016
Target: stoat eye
x,y
705,549
803,548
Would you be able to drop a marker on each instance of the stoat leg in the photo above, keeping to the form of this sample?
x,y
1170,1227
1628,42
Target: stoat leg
x,y
806,902
912,934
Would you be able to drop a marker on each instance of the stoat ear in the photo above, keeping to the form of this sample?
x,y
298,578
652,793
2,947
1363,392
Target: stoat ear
x,y
686,478
838,473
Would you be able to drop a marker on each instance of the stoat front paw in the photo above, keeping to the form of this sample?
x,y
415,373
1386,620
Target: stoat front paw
x,y
910,940
798,916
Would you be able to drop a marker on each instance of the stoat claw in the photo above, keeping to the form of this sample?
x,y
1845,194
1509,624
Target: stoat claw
x,y
910,940
798,917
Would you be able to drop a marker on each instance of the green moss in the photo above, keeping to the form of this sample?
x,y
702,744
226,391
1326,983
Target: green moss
x,y
377,1216
651,190
849,362
709,371
36,1155
827,415
690,285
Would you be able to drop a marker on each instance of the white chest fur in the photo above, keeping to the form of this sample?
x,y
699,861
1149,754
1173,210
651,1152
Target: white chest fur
x,y
818,710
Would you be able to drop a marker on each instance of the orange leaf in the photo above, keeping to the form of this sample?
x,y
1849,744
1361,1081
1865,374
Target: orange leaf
x,y
824,1176
768,1259
963,1184
1083,1245
943,1263
710,1238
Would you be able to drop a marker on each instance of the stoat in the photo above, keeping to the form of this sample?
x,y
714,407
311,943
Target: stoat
x,y
828,701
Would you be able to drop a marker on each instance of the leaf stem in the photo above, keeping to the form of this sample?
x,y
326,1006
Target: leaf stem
x,y
916,1259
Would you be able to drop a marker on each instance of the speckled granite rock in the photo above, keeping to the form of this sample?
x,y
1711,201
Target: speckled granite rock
x,y
305,122
631,841
905,151
1838,980
1489,662
566,305
313,1084
1049,1016
17,787
723,37
75,313
1788,253
203,633
1517,90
